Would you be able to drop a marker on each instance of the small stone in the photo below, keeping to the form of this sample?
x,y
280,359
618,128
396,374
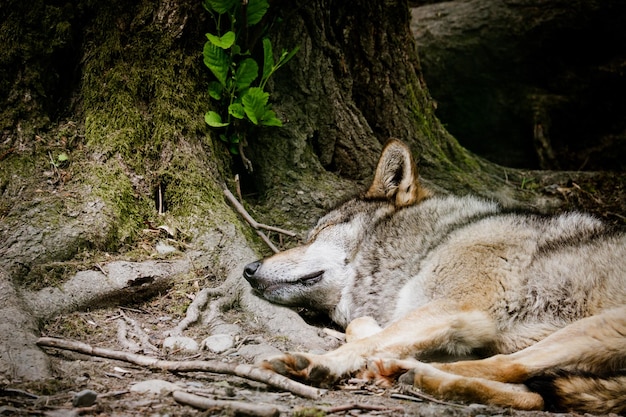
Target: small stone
x,y
163,248
218,343
181,343
84,398
154,386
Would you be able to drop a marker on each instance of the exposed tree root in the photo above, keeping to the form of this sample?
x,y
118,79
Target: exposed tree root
x,y
238,407
241,370
122,335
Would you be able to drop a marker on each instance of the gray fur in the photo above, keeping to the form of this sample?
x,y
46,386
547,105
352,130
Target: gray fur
x,y
532,274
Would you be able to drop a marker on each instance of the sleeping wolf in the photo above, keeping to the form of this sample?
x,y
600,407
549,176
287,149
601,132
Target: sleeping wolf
x,y
410,274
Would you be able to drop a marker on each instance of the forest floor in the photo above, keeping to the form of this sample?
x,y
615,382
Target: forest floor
x,y
119,389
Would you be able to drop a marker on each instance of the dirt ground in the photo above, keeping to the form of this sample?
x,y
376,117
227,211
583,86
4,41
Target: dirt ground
x,y
113,380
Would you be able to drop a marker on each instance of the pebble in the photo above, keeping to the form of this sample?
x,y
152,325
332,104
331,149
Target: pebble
x,y
154,386
218,343
84,398
258,353
181,343
163,248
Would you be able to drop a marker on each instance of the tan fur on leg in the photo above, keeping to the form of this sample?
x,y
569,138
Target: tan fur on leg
x,y
454,387
361,328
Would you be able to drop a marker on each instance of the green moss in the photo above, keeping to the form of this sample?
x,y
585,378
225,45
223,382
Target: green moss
x,y
111,183
144,100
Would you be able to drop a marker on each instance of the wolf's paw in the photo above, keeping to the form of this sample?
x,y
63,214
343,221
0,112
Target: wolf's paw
x,y
303,367
385,371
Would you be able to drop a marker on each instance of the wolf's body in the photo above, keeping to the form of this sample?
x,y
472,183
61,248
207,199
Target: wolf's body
x,y
411,275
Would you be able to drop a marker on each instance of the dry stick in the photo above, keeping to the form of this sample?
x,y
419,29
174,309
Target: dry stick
x,y
366,407
239,407
241,370
430,398
256,225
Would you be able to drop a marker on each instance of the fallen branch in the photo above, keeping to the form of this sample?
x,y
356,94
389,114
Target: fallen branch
x,y
365,407
239,407
256,225
241,370
423,396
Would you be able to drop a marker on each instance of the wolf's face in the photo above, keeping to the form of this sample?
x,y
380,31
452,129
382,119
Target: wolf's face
x,y
313,275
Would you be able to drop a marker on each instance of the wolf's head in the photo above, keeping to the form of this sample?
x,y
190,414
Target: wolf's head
x,y
315,274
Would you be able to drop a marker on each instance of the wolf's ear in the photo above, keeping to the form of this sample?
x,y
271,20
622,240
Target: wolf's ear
x,y
396,176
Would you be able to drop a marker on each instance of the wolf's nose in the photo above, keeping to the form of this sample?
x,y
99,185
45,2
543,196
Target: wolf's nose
x,y
250,269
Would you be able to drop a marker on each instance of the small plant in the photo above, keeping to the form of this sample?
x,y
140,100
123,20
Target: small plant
x,y
242,101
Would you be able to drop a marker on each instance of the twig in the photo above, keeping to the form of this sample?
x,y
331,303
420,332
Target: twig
x,y
267,241
101,269
413,398
239,407
238,187
432,399
6,153
14,392
241,370
366,407
246,162
256,225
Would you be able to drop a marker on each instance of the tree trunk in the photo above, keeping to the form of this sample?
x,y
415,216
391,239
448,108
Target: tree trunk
x,y
529,82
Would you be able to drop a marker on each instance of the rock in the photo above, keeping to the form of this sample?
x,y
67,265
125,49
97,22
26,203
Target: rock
x,y
84,398
226,328
163,248
258,352
154,386
529,83
218,343
181,343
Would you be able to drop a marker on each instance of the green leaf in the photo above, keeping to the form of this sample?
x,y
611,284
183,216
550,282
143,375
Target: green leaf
x,y
220,6
256,10
225,41
236,110
268,58
216,59
254,104
214,120
247,71
286,56
270,119
215,90
63,157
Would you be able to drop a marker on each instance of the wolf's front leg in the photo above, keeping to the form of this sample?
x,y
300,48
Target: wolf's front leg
x,y
435,326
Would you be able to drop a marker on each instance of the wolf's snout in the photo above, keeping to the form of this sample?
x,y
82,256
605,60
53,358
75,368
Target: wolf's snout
x,y
249,271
